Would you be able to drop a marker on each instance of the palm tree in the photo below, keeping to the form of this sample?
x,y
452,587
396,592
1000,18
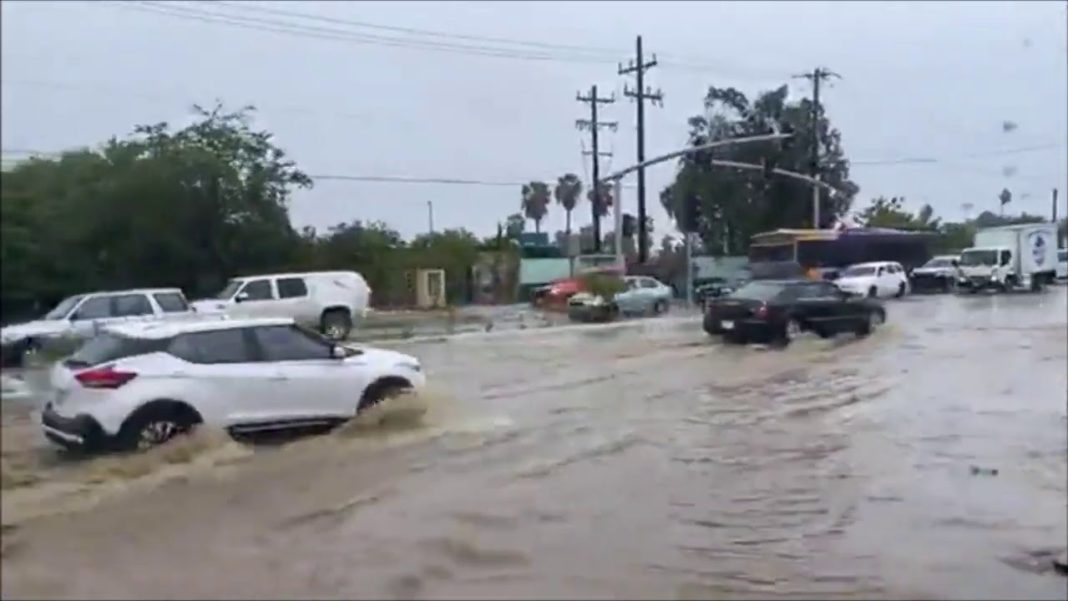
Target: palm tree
x,y
535,203
568,192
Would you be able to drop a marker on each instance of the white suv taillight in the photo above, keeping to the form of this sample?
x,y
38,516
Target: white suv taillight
x,y
106,377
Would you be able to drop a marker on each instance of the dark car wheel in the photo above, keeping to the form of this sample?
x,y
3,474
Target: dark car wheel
x,y
874,319
790,331
872,292
900,290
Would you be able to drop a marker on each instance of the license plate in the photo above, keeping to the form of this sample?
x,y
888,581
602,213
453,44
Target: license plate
x,y
726,325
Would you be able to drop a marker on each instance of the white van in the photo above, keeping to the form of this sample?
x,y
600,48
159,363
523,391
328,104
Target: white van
x,y
330,301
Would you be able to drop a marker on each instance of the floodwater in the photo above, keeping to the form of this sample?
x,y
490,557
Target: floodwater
x,y
626,461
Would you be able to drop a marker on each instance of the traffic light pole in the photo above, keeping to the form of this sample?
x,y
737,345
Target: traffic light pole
x,y
616,179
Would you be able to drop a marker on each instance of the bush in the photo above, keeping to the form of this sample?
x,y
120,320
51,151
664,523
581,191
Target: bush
x,y
603,285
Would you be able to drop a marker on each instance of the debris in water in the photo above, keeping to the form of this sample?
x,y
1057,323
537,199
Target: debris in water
x,y
984,471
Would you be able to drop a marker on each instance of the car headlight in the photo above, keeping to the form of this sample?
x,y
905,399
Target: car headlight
x,y
412,365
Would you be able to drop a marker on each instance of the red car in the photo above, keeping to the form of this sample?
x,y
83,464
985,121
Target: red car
x,y
554,296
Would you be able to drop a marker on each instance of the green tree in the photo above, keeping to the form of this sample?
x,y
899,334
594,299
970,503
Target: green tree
x,y
889,213
190,208
535,202
735,204
515,224
568,192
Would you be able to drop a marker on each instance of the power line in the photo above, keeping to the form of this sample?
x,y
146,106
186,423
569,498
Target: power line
x,y
325,33
974,155
604,52
423,32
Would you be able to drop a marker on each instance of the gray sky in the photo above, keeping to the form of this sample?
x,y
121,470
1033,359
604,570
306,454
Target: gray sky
x,y
919,80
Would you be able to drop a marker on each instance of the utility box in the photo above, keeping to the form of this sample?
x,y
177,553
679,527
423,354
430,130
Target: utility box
x,y
430,288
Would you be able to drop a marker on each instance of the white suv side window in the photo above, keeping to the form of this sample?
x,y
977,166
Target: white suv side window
x,y
132,305
97,307
258,290
292,288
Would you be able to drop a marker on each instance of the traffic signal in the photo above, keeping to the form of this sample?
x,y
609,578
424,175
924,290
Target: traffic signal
x,y
691,214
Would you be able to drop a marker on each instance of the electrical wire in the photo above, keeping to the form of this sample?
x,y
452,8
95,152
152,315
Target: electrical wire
x,y
327,33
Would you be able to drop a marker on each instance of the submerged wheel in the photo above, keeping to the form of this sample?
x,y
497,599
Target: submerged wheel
x,y
790,331
381,391
873,292
660,307
154,425
869,325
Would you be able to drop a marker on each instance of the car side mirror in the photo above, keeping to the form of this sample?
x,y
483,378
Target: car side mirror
x,y
241,297
338,352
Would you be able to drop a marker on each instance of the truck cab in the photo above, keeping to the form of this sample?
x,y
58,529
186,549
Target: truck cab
x,y
986,267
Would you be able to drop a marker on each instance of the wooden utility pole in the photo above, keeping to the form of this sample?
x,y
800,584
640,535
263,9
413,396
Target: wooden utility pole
x,y
818,75
594,125
640,94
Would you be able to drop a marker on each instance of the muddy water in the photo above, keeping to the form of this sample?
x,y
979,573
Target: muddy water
x,y
636,461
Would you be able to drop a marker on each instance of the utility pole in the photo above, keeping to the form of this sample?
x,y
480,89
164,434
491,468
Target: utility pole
x,y
430,215
1054,205
594,125
818,75
640,94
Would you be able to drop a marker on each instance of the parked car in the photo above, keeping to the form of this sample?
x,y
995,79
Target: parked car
x,y
938,274
878,279
135,386
642,295
1062,264
780,310
80,316
716,287
556,294
330,301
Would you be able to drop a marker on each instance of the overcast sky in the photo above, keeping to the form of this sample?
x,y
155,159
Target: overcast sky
x,y
919,79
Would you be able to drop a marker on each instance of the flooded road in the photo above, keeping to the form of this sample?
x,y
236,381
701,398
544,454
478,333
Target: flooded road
x,y
637,460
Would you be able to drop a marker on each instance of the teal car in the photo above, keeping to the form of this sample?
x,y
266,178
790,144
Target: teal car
x,y
644,296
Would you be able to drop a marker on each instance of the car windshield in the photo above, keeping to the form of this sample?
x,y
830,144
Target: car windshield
x,y
762,291
64,307
858,270
228,292
939,263
979,257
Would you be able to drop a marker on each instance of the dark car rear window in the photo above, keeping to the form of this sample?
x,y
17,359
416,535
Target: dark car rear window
x,y
111,347
761,291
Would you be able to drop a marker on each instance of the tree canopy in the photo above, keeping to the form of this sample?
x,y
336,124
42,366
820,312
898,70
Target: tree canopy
x,y
191,208
735,204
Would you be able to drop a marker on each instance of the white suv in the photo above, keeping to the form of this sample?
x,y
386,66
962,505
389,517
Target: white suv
x,y
329,301
877,279
135,386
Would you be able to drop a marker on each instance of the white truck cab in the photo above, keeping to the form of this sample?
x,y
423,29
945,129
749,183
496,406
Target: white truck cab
x,y
1012,257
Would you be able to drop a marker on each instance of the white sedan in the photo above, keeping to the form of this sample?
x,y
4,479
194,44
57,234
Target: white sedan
x,y
875,280
136,386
